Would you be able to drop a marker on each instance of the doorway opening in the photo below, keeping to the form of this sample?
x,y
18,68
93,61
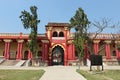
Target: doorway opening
x,y
58,56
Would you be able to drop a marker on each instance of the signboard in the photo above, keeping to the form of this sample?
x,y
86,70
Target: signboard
x,y
96,60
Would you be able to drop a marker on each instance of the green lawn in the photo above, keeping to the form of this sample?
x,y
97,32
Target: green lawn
x,y
20,74
105,75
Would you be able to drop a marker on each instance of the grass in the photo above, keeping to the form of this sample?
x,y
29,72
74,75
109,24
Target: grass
x,y
103,75
21,74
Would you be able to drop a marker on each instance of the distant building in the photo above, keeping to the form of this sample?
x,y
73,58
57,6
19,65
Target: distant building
x,y
55,46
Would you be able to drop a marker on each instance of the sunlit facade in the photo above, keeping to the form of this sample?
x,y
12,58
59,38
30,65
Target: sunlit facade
x,y
55,47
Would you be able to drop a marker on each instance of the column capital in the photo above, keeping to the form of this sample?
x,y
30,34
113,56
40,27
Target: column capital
x,y
28,40
20,41
45,41
96,41
66,28
70,41
7,40
108,41
49,28
116,42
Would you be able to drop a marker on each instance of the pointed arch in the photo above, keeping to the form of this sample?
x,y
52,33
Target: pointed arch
x,y
58,45
57,55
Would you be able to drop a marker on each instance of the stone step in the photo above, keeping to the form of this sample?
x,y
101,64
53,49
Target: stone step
x,y
9,63
20,63
111,62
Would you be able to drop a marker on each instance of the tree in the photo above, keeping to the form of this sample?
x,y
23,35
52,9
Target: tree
x,y
80,23
30,21
101,25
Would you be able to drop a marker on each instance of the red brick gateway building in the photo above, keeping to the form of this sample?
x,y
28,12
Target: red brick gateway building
x,y
55,46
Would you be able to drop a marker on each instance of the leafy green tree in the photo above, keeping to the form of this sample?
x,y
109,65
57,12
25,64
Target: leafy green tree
x,y
30,21
80,23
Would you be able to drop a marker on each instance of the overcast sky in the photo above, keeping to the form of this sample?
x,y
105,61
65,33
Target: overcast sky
x,y
55,11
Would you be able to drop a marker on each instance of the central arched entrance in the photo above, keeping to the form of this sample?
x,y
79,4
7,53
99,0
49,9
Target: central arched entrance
x,y
57,56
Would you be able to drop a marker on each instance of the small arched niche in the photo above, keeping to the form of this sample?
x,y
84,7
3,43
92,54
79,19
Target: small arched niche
x,y
61,34
54,34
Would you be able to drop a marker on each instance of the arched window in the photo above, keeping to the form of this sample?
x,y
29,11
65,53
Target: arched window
x,y
61,34
55,34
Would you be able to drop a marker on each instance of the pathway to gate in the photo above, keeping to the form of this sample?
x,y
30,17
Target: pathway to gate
x,y
61,73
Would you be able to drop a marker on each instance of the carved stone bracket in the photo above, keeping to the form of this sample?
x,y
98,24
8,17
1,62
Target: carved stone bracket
x,y
49,28
117,42
108,41
45,41
96,41
7,40
20,41
66,28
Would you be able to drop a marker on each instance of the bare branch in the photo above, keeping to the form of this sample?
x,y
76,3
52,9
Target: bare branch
x,y
101,25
